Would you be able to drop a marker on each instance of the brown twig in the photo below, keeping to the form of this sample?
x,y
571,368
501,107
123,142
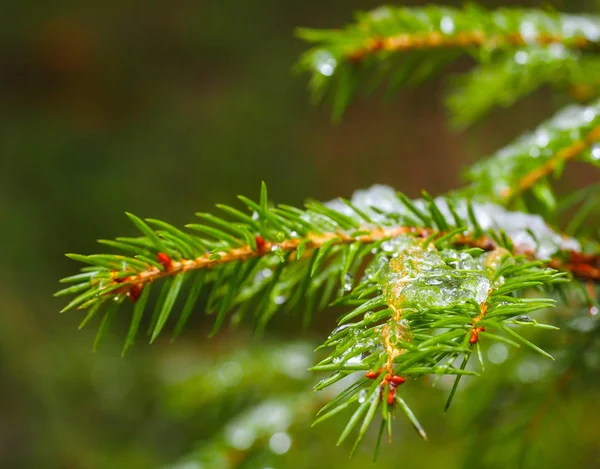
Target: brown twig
x,y
436,40
585,267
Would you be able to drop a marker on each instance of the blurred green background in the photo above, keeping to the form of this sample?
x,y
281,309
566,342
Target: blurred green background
x,y
163,109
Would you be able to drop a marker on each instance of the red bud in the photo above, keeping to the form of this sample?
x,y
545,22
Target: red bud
x,y
164,260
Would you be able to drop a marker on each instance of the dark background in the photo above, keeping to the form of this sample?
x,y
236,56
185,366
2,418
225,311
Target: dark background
x,y
163,109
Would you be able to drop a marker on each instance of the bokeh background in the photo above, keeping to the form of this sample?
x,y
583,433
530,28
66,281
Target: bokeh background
x,y
163,109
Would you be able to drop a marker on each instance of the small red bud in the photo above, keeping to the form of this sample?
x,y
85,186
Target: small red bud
x,y
135,292
260,243
391,397
475,334
397,380
164,260
373,374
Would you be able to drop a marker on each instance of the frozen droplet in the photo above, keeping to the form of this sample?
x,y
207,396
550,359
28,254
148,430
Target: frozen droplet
x,y
262,275
362,396
348,281
542,138
324,62
589,114
577,25
557,50
521,57
279,299
525,319
280,443
239,436
447,25
528,31
497,353
339,329
595,152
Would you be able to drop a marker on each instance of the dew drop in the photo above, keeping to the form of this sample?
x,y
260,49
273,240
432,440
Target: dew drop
x,y
362,396
497,353
525,319
280,299
348,281
521,57
325,63
280,443
240,437
528,31
596,152
447,25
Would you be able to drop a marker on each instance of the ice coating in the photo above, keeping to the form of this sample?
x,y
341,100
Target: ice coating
x,y
502,170
517,225
424,279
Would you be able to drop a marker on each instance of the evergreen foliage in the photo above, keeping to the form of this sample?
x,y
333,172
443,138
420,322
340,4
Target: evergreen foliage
x,y
423,282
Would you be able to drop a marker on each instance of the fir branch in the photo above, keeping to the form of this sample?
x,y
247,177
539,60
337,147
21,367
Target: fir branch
x,y
557,161
437,278
365,52
293,257
573,133
510,76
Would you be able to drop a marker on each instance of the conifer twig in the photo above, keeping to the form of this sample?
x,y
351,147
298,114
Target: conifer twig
x,y
435,40
560,158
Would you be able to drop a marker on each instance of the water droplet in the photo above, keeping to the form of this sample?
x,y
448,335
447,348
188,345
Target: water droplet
x,y
589,114
362,396
525,319
280,443
348,281
521,57
447,25
240,437
596,152
339,329
434,281
262,275
280,299
542,138
324,62
497,353
593,311
528,31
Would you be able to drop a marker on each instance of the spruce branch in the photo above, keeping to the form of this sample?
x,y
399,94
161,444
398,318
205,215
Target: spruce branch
x,y
424,281
573,133
431,265
406,45
510,76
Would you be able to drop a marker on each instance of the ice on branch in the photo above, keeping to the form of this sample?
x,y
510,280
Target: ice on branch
x,y
399,46
527,231
573,133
